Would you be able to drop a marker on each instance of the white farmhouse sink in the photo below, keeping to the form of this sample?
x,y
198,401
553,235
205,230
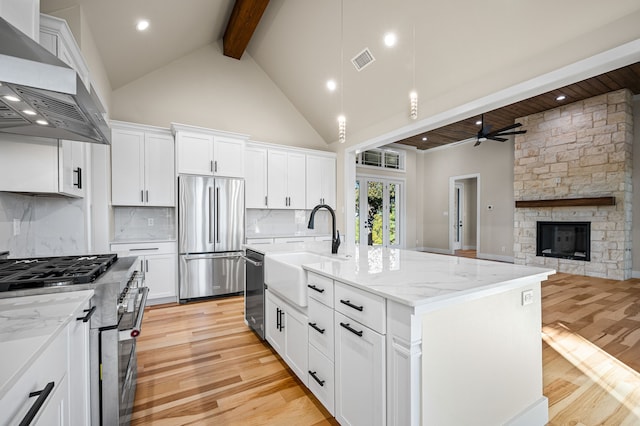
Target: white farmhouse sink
x,y
283,273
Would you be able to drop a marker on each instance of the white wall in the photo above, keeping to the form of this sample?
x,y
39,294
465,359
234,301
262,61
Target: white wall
x,y
210,90
493,161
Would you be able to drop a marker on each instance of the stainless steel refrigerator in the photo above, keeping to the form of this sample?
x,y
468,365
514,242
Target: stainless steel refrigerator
x,y
210,236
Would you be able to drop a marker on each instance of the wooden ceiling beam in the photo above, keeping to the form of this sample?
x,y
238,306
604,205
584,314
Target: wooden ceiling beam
x,y
244,19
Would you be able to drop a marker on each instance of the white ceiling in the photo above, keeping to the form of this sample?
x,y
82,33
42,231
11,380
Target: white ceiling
x,y
298,43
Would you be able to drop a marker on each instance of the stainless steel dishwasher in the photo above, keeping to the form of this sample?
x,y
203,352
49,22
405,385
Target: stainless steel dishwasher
x,y
254,291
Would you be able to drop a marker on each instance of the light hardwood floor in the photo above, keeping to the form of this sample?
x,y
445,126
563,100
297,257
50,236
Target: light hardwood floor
x,y
200,365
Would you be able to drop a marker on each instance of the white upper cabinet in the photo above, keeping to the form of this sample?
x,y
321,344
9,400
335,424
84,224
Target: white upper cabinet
x,y
207,152
142,166
39,165
321,181
255,177
286,179
56,37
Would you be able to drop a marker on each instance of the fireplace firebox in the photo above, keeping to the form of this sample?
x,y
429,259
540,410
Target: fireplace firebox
x,y
565,240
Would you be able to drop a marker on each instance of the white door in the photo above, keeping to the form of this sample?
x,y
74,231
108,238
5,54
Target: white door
x,y
296,180
72,173
277,180
321,181
159,174
160,275
458,215
378,212
274,323
297,343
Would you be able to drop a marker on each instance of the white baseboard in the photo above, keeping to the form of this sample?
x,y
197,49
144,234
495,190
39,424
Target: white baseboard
x,y
468,247
434,250
499,258
535,415
635,274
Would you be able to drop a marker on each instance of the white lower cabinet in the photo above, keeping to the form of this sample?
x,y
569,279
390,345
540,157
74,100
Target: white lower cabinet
x,y
158,262
321,378
360,374
286,331
78,370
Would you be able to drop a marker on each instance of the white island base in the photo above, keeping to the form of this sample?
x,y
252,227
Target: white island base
x,y
416,339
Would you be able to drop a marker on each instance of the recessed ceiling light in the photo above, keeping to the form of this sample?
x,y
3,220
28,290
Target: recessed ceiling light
x,y
424,138
479,122
29,112
390,39
142,25
331,85
11,98
42,122
561,98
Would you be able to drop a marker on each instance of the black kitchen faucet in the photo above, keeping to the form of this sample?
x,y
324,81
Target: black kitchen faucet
x,y
335,234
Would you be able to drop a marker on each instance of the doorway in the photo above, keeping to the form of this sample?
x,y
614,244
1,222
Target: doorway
x,y
464,213
379,206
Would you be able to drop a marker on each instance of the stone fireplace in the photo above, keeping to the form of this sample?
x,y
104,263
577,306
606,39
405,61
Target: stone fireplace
x,y
579,150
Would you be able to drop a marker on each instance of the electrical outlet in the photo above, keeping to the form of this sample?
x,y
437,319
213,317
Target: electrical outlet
x,y
527,297
16,227
150,221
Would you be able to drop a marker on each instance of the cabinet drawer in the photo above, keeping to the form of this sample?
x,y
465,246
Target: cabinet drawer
x,y
364,307
321,327
141,249
300,239
50,366
259,240
320,288
321,378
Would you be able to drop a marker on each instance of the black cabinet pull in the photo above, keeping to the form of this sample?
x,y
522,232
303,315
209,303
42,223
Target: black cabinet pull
x,y
278,318
347,326
313,374
87,317
281,320
316,328
313,287
42,397
78,172
351,305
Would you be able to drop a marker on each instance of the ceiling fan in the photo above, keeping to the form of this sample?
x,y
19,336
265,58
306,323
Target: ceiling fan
x,y
485,132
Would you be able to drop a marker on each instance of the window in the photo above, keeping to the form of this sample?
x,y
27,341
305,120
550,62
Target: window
x,y
383,158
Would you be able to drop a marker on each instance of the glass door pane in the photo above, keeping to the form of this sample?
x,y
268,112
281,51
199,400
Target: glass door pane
x,y
393,191
357,193
374,218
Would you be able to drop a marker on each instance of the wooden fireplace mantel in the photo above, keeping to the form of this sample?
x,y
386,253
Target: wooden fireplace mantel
x,y
568,202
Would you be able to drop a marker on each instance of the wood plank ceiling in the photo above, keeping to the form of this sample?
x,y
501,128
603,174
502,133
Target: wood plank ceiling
x,y
626,77
244,19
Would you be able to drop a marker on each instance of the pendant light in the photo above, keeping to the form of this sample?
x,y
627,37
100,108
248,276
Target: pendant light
x,y
342,121
413,95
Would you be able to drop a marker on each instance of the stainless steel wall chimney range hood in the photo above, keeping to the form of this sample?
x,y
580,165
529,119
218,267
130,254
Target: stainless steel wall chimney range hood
x,y
41,96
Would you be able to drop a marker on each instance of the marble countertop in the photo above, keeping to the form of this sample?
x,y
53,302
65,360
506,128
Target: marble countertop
x,y
410,277
289,235
28,325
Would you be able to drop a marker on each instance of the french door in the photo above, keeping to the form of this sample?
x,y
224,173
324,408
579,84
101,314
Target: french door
x,y
378,211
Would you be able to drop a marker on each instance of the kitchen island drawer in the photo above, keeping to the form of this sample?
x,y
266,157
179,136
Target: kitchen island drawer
x,y
321,327
320,288
321,378
364,307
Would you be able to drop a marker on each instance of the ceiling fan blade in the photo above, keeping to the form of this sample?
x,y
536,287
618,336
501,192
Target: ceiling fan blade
x,y
496,138
517,132
512,126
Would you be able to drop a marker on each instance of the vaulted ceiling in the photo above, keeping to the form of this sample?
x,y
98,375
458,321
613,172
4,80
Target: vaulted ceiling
x,y
300,44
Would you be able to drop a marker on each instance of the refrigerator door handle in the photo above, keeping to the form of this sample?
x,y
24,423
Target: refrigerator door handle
x,y
210,217
212,256
217,215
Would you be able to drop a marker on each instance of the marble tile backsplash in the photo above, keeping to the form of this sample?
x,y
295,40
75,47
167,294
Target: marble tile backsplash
x,y
273,223
41,226
143,223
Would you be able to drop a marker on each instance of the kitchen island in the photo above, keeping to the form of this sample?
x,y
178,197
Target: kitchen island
x,y
415,338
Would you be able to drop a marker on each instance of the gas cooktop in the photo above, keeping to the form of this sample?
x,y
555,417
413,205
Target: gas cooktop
x,y
16,274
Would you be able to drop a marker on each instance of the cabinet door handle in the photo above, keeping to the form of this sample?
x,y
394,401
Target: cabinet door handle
x,y
87,317
145,249
351,305
141,196
281,320
316,328
347,326
313,374
313,287
42,397
146,265
278,318
211,166
78,173
265,200
147,194
215,167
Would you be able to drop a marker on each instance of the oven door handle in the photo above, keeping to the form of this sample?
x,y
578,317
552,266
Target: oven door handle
x,y
134,332
251,261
